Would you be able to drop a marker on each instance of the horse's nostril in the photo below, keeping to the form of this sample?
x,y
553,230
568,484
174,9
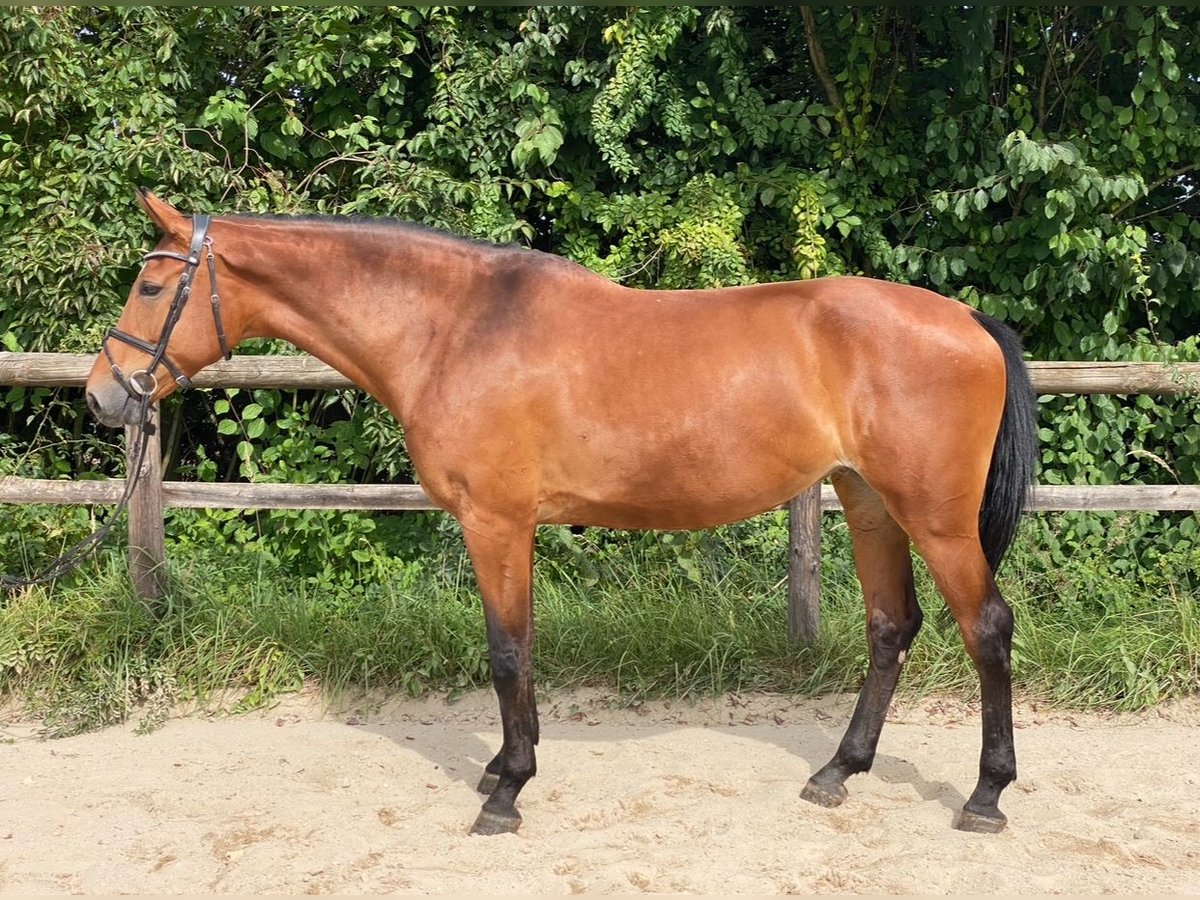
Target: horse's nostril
x,y
93,404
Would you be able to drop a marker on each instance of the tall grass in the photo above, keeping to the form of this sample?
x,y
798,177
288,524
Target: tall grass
x,y
628,612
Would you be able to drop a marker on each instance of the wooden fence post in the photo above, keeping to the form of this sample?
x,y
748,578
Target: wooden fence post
x,y
804,566
147,540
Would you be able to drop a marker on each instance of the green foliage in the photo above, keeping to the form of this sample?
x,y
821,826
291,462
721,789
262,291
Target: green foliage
x,y
638,84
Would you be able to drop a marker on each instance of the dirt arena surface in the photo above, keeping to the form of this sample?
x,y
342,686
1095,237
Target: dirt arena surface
x,y
666,798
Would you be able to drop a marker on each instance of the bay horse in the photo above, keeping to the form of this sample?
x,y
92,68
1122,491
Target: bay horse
x,y
532,391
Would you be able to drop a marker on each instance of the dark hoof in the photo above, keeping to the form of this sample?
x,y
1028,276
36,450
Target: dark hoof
x,y
976,823
489,822
488,783
828,796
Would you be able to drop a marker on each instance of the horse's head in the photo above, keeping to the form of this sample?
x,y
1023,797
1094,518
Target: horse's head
x,y
172,325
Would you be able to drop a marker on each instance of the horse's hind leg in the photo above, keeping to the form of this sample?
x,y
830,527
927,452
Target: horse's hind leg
x,y
502,556
956,561
881,557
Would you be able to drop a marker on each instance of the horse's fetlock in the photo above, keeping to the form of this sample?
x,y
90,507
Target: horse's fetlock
x,y
520,771
999,767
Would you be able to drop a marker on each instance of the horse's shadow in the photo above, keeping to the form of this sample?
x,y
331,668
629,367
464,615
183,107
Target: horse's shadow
x,y
462,759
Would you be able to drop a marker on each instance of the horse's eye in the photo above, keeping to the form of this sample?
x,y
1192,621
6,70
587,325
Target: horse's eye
x,y
149,290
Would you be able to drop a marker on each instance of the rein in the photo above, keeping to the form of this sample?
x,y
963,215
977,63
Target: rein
x,y
74,557
141,385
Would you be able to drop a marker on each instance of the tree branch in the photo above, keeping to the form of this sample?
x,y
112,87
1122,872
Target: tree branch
x,y
1155,185
817,53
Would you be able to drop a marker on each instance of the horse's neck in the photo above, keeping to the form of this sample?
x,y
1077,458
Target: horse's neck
x,y
368,305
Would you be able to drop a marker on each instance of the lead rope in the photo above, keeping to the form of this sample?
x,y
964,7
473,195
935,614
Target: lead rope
x,y
74,557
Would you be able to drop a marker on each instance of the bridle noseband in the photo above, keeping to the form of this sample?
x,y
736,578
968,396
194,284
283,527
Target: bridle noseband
x,y
143,382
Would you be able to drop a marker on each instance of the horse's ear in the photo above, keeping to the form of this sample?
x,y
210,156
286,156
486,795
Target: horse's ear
x,y
163,214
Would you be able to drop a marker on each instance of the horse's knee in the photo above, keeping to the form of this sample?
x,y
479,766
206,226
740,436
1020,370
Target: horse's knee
x,y
509,656
890,636
506,664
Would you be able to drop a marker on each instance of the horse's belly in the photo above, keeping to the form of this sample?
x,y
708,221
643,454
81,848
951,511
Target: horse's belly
x,y
608,513
681,490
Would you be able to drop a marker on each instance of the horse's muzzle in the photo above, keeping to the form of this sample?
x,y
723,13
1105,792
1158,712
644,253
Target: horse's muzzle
x,y
111,405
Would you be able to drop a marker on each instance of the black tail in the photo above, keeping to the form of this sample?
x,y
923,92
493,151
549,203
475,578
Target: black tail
x,y
1015,454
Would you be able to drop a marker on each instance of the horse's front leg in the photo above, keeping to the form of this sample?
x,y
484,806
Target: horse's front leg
x,y
502,555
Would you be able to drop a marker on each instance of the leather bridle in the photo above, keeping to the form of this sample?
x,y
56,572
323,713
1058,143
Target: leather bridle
x,y
143,382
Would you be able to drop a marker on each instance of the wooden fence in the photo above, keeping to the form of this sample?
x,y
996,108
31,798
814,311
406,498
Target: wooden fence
x,y
146,534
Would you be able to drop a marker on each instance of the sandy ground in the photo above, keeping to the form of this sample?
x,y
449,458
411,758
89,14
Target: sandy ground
x,y
668,797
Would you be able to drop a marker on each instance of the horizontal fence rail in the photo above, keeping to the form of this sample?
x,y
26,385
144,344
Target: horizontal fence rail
x,y
260,495
146,535
308,373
